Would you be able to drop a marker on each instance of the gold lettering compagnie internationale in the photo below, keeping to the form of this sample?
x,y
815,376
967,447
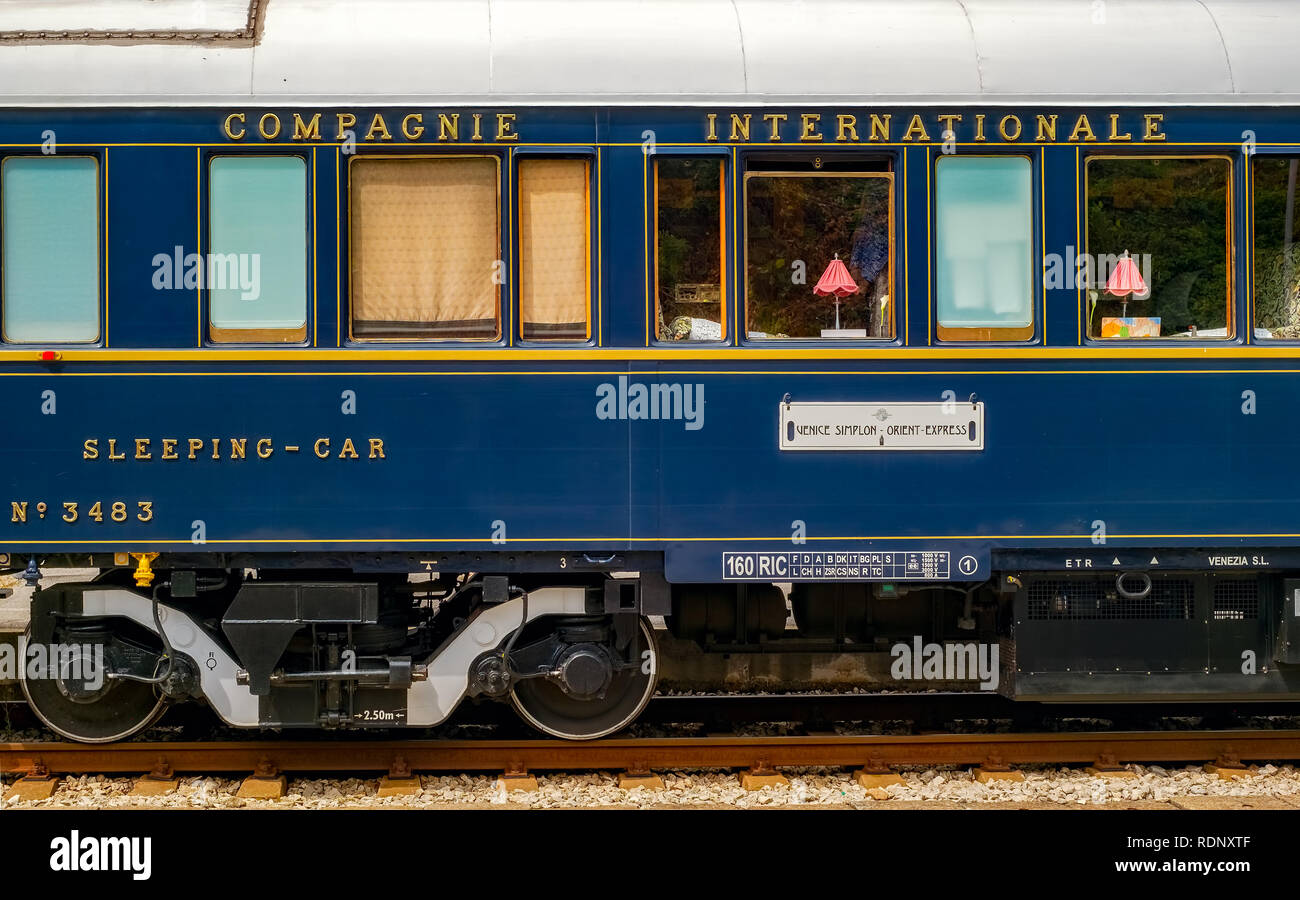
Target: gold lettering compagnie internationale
x,y
306,126
857,127
168,449
861,127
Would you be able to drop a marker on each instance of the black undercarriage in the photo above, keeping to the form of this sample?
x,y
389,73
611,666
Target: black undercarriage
x,y
343,647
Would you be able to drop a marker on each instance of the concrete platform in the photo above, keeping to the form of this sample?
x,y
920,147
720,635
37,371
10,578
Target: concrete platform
x,y
15,609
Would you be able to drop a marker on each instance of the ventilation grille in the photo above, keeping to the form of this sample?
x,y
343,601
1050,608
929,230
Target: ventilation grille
x,y
1236,601
1170,598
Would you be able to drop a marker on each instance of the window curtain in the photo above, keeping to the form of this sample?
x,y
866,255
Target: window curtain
x,y
424,246
553,248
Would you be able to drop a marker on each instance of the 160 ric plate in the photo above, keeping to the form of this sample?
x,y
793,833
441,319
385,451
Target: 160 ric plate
x,y
944,426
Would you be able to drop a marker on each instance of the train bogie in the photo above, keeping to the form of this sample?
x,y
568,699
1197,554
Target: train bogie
x,y
336,654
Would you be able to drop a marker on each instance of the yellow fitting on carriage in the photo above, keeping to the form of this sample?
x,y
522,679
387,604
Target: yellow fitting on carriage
x,y
143,571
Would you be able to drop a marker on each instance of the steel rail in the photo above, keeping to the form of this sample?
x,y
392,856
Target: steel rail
x,y
659,753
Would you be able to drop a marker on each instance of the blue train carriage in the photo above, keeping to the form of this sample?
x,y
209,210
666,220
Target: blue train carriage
x,y
376,359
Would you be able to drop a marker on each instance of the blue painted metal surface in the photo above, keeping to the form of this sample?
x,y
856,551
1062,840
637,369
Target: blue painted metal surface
x,y
1154,446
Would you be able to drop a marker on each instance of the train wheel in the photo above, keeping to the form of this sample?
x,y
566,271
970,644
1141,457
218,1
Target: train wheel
x,y
565,711
92,709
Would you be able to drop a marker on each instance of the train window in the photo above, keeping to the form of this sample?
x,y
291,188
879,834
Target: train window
x,y
257,221
1159,246
50,248
1276,266
689,249
796,225
554,249
984,247
425,248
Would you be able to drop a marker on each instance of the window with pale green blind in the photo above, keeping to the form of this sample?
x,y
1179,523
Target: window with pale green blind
x,y
984,222
50,251
257,261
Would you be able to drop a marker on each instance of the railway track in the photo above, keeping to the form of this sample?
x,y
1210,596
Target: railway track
x,y
870,752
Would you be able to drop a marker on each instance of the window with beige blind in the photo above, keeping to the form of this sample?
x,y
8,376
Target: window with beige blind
x,y
425,245
554,249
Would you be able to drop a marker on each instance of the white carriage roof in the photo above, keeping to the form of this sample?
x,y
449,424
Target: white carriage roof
x,y
868,52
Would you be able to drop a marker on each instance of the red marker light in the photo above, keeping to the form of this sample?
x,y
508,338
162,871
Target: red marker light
x,y
49,355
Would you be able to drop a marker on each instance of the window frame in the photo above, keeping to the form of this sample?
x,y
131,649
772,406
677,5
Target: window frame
x,y
101,252
1024,334
724,240
1232,332
265,336
515,294
891,176
1252,315
345,252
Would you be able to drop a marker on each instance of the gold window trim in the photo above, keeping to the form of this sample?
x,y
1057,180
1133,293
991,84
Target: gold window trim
x,y
256,335
587,241
1231,323
893,300
991,333
722,251
1252,272
260,335
352,338
102,240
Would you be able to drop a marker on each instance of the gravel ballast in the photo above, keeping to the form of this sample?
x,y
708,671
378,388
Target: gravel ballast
x,y
935,787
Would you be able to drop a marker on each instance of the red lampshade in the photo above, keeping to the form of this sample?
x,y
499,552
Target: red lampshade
x,y
835,281
1126,279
